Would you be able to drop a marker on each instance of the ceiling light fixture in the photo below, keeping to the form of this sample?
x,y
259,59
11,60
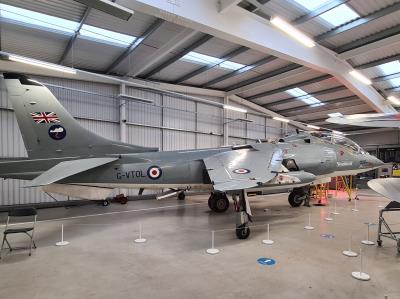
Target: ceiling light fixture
x,y
228,107
394,100
360,77
42,64
313,127
292,31
281,119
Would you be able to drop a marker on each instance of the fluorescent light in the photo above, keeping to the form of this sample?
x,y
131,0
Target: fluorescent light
x,y
42,64
292,31
281,119
235,108
360,77
337,132
335,114
394,100
313,127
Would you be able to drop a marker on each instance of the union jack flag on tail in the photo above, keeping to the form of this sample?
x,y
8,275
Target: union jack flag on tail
x,y
45,117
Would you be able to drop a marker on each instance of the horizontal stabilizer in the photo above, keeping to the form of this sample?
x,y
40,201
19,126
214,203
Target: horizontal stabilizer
x,y
66,169
389,187
244,168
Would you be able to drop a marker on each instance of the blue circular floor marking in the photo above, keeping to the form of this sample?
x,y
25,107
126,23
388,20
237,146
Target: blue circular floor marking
x,y
265,261
328,236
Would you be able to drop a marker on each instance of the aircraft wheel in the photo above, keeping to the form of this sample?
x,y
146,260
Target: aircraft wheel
x,y
218,202
106,203
242,231
295,199
181,196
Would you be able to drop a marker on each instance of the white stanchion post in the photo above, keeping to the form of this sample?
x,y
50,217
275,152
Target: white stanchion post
x,y
360,275
141,239
349,252
62,242
335,212
268,241
368,241
329,218
212,250
355,206
309,226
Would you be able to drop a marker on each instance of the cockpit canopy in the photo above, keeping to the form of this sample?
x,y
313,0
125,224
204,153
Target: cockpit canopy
x,y
324,137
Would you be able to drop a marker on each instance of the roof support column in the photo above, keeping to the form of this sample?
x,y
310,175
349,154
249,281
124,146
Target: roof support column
x,y
122,115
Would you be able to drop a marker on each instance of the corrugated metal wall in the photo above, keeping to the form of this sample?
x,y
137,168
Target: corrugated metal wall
x,y
168,123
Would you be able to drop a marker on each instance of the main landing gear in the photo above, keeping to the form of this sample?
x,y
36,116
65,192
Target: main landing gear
x,y
243,214
218,202
297,196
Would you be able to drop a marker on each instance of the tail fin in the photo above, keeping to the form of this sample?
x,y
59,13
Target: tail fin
x,y
48,130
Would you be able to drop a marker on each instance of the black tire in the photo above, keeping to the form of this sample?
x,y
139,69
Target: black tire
x,y
219,203
398,246
210,201
379,243
123,200
295,199
242,232
181,196
106,203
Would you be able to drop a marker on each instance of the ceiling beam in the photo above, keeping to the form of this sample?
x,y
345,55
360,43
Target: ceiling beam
x,y
318,11
264,79
135,44
311,94
284,88
360,21
225,5
392,89
369,39
387,77
327,104
75,36
209,66
172,45
247,29
242,70
196,44
389,41
377,62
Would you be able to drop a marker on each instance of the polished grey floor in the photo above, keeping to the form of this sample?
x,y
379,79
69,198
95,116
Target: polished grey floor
x,y
102,260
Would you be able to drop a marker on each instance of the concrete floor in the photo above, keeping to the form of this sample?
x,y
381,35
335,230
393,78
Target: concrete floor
x,y
102,261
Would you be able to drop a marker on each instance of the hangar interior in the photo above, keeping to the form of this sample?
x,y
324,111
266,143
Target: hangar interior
x,y
183,75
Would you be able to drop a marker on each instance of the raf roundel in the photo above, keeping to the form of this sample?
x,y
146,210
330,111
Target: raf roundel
x,y
241,171
154,172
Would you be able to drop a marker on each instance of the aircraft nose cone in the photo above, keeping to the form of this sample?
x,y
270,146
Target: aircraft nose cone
x,y
375,161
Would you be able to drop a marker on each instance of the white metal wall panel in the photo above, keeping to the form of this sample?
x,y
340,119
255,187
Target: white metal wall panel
x,y
173,140
209,119
144,136
256,129
209,141
182,116
148,114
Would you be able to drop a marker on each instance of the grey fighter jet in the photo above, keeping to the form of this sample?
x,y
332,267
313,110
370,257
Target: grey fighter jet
x,y
65,158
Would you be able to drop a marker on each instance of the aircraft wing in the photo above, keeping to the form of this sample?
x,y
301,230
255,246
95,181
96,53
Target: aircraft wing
x,y
388,187
377,120
244,168
68,168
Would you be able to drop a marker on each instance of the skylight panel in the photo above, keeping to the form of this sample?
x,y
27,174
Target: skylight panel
x,y
100,34
340,15
391,68
335,114
231,65
201,58
305,97
311,4
206,59
37,19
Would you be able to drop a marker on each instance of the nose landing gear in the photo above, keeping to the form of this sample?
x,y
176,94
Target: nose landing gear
x,y
297,196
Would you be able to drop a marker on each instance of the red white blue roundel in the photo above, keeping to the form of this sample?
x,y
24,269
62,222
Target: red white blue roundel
x,y
154,172
241,170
